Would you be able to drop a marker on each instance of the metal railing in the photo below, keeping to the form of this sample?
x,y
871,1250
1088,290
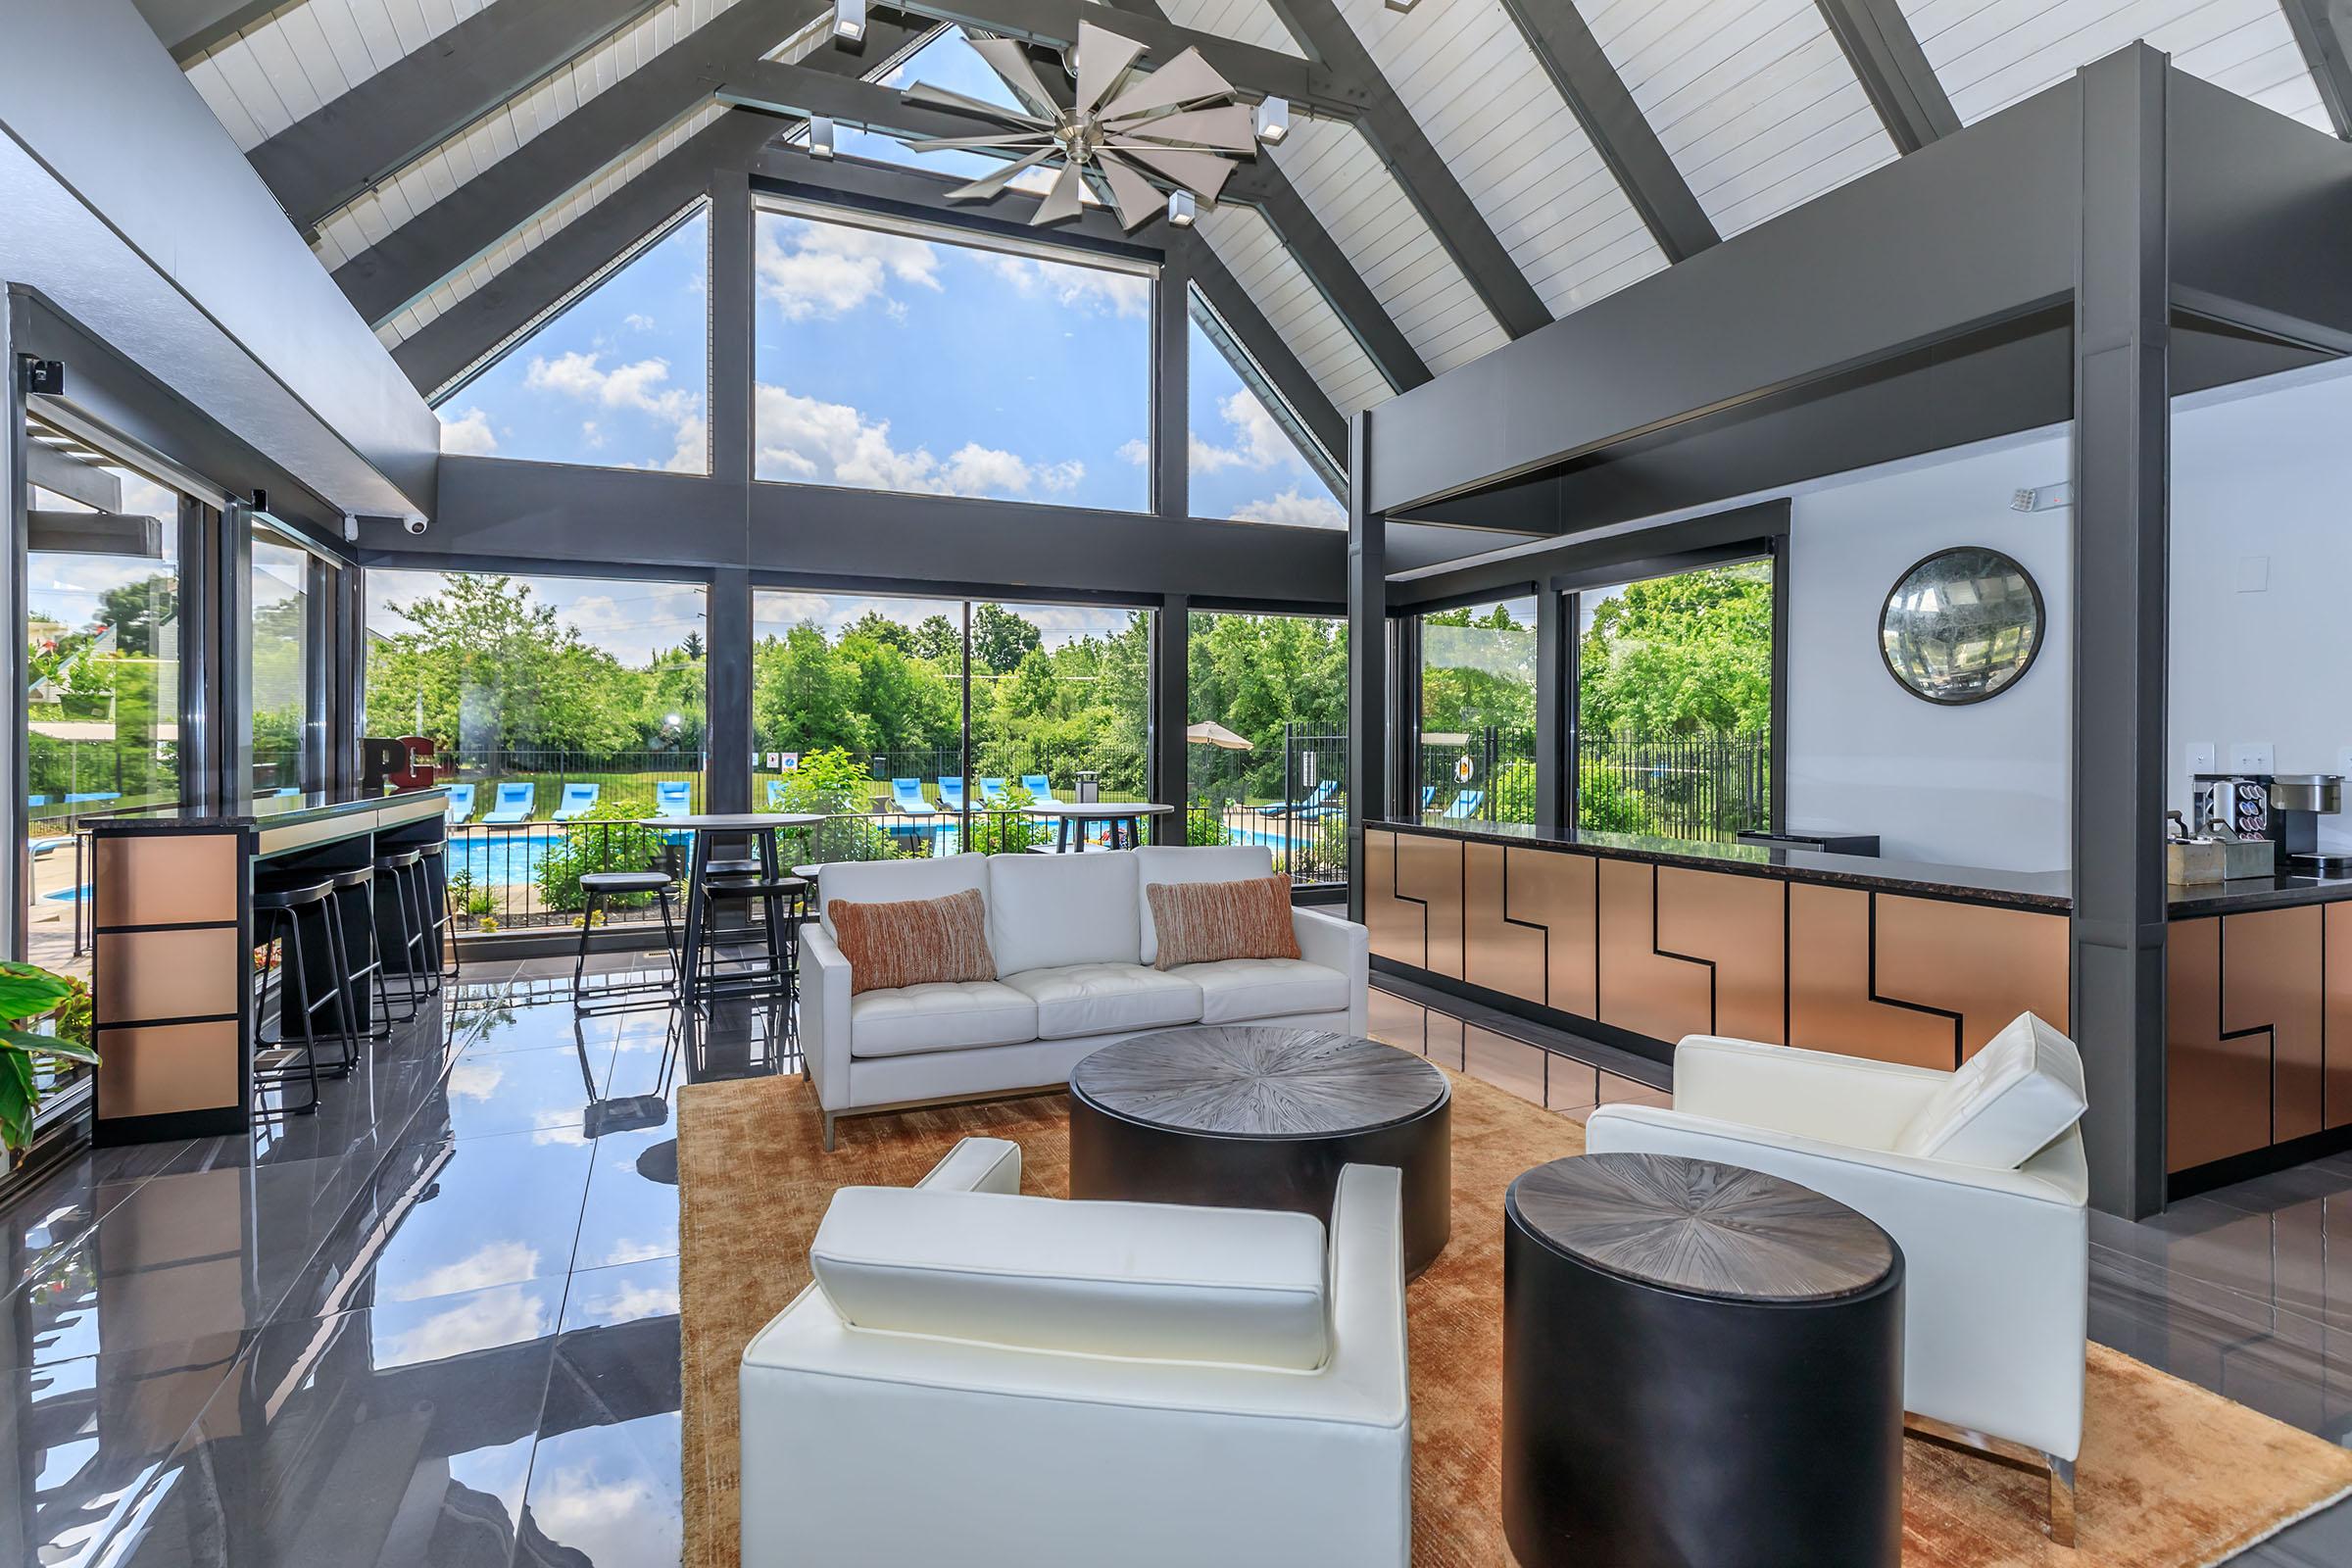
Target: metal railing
x,y
1482,778
1702,787
623,780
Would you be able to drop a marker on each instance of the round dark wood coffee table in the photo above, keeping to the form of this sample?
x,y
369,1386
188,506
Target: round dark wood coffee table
x,y
1237,1117
1700,1364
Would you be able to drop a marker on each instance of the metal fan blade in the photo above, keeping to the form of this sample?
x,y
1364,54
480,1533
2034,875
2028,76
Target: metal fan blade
x,y
1063,200
990,184
1185,79
1006,56
1103,58
1202,173
1012,141
922,92
1229,129
1137,198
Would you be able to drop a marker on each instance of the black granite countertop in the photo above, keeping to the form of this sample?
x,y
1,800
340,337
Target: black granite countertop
x,y
251,810
2038,890
2248,893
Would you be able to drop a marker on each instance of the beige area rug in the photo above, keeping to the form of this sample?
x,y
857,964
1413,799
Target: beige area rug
x,y
2171,1476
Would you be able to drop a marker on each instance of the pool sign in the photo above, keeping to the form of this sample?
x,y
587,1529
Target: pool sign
x,y
1463,768
1306,769
790,762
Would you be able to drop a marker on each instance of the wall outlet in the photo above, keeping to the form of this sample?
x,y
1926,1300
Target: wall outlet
x,y
2251,757
2200,756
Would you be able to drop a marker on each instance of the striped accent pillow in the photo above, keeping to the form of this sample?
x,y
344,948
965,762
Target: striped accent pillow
x,y
912,943
1201,922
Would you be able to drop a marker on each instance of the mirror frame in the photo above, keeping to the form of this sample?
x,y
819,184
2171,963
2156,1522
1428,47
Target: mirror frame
x,y
2042,616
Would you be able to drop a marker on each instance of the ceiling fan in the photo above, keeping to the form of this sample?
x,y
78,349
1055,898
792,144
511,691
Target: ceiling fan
x,y
1182,121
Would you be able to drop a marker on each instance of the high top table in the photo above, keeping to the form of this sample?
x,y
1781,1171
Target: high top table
x,y
760,826
1116,815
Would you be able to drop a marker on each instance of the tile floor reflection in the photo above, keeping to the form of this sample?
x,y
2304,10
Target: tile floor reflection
x,y
438,1323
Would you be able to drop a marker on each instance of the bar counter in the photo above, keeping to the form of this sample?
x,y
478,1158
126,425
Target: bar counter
x,y
171,979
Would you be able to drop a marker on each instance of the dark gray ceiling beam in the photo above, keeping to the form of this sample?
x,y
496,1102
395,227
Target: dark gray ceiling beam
x,y
1428,182
1893,70
1265,347
1258,71
1599,98
411,106
2322,29
389,276
188,27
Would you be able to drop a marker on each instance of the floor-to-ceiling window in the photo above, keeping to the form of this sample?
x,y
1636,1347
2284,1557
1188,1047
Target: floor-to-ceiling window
x,y
1476,762
1267,740
284,623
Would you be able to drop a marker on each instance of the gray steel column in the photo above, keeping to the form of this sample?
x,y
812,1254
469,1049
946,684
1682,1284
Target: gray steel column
x,y
2122,507
1171,389
727,674
731,305
203,710
1171,707
1368,659
1554,698
1893,70
231,565
322,703
16,865
2322,30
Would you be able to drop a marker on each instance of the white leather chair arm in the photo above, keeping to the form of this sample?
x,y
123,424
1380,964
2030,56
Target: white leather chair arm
x,y
1809,1094
825,1016
1368,1364
1341,945
977,1165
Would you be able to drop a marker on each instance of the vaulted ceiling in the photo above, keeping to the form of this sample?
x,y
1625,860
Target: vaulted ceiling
x,y
1457,173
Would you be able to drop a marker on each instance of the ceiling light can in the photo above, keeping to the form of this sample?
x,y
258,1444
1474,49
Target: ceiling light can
x,y
1273,120
820,136
1182,208
848,19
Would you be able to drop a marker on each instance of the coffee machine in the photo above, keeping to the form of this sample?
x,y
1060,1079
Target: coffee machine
x,y
2283,808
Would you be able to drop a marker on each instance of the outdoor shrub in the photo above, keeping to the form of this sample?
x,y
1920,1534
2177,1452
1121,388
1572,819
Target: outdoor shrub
x,y
1005,831
1514,793
1201,827
1606,804
608,839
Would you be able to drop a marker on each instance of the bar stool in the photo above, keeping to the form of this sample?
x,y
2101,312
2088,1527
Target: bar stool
x,y
360,879
778,897
403,872
599,886
445,949
280,910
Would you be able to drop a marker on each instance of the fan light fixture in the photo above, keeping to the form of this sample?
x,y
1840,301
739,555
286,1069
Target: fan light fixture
x,y
1180,124
848,20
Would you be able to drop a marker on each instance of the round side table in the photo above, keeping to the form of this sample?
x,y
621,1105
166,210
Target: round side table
x,y
1700,1364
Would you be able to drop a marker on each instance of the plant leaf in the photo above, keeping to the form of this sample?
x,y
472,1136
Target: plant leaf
x,y
25,1040
28,991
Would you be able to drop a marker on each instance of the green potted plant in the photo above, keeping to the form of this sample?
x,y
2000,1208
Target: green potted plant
x,y
28,993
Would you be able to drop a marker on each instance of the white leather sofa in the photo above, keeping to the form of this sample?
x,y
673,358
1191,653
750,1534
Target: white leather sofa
x,y
1074,947
1996,1261
984,1379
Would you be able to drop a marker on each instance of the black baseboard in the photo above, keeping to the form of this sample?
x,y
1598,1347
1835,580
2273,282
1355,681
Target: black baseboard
x,y
2256,1162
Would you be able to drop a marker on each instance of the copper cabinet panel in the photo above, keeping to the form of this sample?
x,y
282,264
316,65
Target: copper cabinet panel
x,y
166,878
1985,963
1398,930
2269,966
2217,1091
1495,953
1737,924
1430,870
1559,892
2335,1090
1641,989
160,1069
143,975
1829,1005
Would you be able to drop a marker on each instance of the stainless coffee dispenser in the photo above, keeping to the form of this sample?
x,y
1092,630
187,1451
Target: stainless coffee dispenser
x,y
2297,803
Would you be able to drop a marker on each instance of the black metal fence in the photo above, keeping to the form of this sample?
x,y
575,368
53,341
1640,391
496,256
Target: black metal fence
x,y
1702,787
1485,775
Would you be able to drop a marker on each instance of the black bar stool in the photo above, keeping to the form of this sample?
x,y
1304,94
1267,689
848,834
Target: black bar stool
x,y
280,910
599,886
778,898
408,955
369,969
451,966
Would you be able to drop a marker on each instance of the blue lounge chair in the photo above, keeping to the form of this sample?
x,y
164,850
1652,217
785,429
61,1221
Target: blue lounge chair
x,y
1429,796
775,795
514,803
675,797
906,797
993,797
951,793
1312,805
1039,788
36,800
461,804
101,795
1464,804
579,801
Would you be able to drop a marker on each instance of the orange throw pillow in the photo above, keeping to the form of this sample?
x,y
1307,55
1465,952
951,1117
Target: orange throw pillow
x,y
913,943
1201,922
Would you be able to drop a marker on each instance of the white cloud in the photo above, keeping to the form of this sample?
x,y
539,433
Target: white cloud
x,y
640,387
1137,451
637,322
1123,294
812,270
467,433
832,442
1258,441
692,454
492,1263
482,1322
1295,509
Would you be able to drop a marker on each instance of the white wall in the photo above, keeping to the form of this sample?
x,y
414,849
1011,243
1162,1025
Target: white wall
x,y
1978,785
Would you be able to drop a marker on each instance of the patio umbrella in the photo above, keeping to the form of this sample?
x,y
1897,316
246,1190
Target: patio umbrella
x,y
1209,732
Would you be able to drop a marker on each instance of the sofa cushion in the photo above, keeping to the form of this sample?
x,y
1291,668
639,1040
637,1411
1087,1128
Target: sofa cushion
x,y
932,876
1099,998
2007,1103
1153,1281
1049,910
1238,989
1207,862
913,942
1201,922
940,1018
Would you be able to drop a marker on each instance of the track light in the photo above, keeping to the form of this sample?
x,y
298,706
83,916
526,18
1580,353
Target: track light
x,y
1273,120
1182,208
848,20
821,135
1401,5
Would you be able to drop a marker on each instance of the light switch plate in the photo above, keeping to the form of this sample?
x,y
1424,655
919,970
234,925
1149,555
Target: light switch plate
x,y
2250,756
2200,756
2253,574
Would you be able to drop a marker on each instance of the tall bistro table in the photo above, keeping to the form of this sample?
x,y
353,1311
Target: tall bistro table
x,y
760,827
1700,1364
1117,815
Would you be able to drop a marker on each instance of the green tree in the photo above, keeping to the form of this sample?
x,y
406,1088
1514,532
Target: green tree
x,y
875,626
1691,654
138,611
1000,639
939,639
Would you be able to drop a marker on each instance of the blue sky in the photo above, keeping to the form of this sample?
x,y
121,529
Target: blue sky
x,y
895,361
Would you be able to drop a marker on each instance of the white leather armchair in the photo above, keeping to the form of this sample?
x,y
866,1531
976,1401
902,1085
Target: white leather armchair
x,y
981,1377
1997,1261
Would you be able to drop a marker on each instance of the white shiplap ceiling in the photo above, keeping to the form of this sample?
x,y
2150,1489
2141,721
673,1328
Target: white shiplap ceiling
x,y
1753,101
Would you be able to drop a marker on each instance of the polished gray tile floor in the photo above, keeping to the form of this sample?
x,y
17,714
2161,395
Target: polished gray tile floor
x,y
437,1324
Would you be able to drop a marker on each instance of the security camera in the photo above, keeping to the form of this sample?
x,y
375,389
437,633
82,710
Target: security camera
x,y
414,523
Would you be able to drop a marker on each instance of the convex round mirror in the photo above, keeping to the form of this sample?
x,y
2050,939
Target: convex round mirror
x,y
1961,625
